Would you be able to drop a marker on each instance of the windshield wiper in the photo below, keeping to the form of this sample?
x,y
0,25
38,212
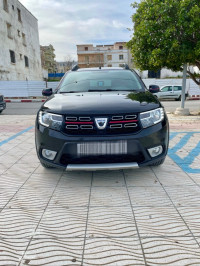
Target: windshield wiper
x,y
70,91
110,90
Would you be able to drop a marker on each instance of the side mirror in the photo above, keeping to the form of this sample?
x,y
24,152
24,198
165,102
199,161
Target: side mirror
x,y
47,92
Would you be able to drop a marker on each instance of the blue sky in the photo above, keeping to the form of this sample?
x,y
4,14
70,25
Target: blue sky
x,y
66,23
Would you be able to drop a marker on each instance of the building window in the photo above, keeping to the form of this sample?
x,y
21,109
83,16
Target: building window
x,y
18,33
24,39
9,30
120,47
12,57
5,5
19,15
20,56
13,7
109,65
26,61
121,65
121,57
109,57
86,48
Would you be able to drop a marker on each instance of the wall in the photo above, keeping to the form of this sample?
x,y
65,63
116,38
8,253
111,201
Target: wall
x,y
34,88
28,26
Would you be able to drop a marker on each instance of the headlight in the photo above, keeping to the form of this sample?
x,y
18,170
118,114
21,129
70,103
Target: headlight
x,y
50,120
151,118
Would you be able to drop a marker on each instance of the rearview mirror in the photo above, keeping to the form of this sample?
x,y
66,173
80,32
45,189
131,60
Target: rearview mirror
x,y
47,92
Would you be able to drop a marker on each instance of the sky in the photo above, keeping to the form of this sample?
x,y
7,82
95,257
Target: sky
x,y
66,23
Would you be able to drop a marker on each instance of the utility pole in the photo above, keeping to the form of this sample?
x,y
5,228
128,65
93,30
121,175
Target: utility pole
x,y
181,110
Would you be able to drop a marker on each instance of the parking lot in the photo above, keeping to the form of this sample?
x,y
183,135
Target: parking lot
x,y
146,216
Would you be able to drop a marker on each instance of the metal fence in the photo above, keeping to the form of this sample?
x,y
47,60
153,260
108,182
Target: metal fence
x,y
34,88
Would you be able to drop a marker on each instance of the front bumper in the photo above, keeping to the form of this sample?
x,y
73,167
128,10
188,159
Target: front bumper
x,y
137,153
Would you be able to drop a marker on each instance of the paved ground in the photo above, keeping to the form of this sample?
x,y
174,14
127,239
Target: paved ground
x,y
148,216
31,108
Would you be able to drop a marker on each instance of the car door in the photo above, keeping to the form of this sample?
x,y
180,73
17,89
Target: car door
x,y
177,91
166,92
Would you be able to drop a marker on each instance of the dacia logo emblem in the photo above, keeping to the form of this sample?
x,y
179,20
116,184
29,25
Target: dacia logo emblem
x,y
101,122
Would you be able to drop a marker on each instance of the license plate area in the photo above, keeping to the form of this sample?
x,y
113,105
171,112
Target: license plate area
x,y
102,148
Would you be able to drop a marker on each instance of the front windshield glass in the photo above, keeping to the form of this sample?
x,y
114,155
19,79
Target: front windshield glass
x,y
109,80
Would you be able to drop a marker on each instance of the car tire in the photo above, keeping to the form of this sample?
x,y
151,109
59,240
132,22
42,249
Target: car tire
x,y
1,111
158,162
46,165
179,98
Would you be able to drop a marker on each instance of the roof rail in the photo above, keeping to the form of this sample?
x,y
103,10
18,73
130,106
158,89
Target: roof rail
x,y
125,66
75,67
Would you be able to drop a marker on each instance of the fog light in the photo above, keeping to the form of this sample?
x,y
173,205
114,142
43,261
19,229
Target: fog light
x,y
48,154
155,151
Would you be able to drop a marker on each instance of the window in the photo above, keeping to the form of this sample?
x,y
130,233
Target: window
x,y
19,15
20,56
121,57
18,33
120,47
5,5
86,48
109,57
26,61
121,65
24,39
9,30
167,88
109,65
177,88
13,7
12,57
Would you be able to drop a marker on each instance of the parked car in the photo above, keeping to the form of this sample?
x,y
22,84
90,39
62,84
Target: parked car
x,y
154,88
2,103
170,92
101,118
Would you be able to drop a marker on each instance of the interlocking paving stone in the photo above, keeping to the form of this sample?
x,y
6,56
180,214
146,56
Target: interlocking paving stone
x,y
63,223
111,222
146,216
51,251
171,251
115,251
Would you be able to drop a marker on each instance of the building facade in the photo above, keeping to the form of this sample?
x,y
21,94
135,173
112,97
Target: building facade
x,y
63,67
19,43
113,55
48,58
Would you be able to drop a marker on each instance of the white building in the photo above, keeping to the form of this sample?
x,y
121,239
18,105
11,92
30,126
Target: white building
x,y
19,43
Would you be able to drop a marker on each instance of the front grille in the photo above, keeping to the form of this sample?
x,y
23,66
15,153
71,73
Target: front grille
x,y
116,124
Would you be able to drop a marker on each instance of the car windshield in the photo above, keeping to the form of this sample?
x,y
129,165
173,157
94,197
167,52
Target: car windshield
x,y
109,80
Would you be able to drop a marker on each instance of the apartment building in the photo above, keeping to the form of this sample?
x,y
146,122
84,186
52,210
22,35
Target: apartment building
x,y
113,55
19,43
48,58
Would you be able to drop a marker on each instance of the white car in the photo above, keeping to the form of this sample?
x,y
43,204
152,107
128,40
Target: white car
x,y
170,92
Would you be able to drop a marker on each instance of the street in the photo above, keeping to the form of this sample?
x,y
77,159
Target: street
x,y
31,108
145,216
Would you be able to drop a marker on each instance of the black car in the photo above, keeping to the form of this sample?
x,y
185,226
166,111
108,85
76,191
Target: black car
x,y
2,103
154,88
101,118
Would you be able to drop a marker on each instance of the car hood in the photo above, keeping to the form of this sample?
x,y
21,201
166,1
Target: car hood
x,y
100,103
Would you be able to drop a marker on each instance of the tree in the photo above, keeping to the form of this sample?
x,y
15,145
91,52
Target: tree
x,y
167,35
